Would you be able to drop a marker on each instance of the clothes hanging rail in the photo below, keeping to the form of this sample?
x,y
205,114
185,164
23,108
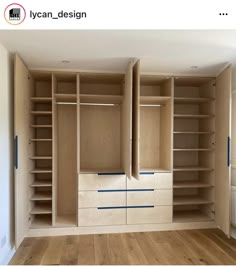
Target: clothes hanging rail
x,y
88,104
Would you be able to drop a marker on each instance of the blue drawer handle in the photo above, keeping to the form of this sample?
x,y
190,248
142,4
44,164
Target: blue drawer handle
x,y
111,190
146,173
113,173
228,152
125,207
125,190
16,152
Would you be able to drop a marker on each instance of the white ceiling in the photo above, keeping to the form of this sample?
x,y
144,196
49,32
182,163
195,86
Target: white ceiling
x,y
162,51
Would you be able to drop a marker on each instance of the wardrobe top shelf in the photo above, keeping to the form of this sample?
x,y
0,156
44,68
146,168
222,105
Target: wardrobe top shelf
x,y
154,99
192,100
102,99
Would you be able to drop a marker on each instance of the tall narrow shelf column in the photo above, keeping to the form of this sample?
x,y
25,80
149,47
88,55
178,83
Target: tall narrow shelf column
x,y
65,149
41,199
194,149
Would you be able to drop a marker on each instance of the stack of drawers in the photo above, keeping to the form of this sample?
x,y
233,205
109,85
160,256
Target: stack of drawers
x,y
102,199
116,200
150,199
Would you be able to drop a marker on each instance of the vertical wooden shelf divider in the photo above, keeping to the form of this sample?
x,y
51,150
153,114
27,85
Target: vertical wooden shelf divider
x,y
78,140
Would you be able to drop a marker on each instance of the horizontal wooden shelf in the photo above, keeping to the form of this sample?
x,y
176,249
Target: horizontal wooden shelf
x,y
41,184
41,158
154,99
41,171
40,139
191,184
194,133
41,196
190,200
192,168
193,116
155,170
191,100
190,216
194,149
41,113
97,170
41,99
66,97
106,99
41,210
41,126
41,221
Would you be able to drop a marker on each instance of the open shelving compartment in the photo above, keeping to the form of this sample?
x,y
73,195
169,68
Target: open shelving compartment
x,y
65,149
41,150
103,114
155,123
194,149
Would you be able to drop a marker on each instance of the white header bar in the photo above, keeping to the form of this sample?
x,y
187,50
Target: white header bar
x,y
121,14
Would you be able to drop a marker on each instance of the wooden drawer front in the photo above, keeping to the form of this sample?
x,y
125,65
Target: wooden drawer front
x,y
144,182
151,181
156,197
89,199
94,216
164,180
96,182
158,214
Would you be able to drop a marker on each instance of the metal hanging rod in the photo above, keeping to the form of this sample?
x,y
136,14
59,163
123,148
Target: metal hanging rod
x,y
87,104
151,105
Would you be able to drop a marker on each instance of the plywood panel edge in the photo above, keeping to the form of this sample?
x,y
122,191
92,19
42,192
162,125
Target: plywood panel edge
x,y
127,123
136,121
78,141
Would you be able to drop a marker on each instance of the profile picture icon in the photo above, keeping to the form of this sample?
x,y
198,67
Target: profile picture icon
x,y
14,14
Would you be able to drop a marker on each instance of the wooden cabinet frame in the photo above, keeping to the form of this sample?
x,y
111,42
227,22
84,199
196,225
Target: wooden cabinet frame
x,y
130,98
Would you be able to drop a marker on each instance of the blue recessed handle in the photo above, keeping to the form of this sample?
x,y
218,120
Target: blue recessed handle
x,y
16,152
112,173
146,173
228,152
125,207
125,190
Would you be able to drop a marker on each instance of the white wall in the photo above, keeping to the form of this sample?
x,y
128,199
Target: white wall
x,y
6,156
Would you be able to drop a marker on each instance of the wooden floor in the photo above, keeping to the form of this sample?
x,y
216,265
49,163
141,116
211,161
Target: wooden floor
x,y
209,246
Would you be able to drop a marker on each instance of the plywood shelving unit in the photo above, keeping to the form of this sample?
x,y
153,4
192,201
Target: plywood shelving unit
x,y
41,153
88,144
194,149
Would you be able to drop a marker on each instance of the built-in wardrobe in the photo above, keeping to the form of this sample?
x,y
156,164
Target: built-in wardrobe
x,y
120,152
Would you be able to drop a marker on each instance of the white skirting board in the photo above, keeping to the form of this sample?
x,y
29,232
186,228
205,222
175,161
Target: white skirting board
x,y
118,229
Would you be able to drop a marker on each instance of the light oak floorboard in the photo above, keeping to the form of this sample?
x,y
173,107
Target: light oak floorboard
x,y
185,247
